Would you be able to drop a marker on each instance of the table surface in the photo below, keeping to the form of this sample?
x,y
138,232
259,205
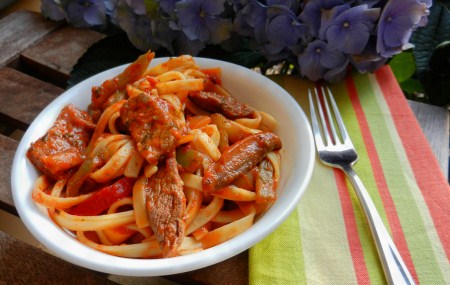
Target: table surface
x,y
35,64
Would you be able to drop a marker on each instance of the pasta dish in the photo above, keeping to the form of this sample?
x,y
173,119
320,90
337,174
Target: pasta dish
x,y
164,162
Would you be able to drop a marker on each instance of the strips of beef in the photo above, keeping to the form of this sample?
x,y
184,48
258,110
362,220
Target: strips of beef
x,y
101,94
165,207
216,100
63,146
153,125
238,159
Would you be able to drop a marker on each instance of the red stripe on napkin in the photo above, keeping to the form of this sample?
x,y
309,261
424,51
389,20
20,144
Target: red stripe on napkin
x,y
354,242
398,235
429,177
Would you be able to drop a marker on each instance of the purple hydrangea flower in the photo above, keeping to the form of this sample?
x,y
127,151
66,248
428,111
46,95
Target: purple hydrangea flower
x,y
369,60
327,18
337,74
318,59
86,13
137,27
397,21
424,20
200,20
51,10
349,28
283,29
312,13
251,20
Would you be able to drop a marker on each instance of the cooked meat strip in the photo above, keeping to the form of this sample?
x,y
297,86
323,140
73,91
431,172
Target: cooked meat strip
x,y
64,144
153,125
165,207
216,100
238,159
101,94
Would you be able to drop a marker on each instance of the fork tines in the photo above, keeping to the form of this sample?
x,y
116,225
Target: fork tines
x,y
323,99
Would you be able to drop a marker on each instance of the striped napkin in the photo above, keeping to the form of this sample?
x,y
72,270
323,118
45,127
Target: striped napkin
x,y
326,240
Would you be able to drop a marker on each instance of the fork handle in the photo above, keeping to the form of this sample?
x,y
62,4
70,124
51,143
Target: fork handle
x,y
394,267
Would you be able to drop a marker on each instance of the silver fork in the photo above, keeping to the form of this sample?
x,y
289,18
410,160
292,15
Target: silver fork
x,y
337,150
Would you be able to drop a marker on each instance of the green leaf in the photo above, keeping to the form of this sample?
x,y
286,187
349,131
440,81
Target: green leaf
x,y
411,86
426,38
403,66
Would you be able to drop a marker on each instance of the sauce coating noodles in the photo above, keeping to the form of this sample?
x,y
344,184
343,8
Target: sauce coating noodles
x,y
164,162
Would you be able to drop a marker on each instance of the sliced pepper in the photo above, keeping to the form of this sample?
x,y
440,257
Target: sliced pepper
x,y
214,74
102,199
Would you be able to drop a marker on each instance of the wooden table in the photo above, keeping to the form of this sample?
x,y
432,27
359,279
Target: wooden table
x,y
35,63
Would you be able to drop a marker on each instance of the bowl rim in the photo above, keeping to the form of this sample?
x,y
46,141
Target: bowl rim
x,y
94,259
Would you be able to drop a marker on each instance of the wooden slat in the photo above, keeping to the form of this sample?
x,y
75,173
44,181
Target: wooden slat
x,y
22,263
20,30
434,122
7,149
53,58
23,97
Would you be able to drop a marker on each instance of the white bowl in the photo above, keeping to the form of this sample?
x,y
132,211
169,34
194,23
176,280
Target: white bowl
x,y
297,156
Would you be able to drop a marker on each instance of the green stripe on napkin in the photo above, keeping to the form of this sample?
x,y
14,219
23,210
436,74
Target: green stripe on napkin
x,y
277,246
